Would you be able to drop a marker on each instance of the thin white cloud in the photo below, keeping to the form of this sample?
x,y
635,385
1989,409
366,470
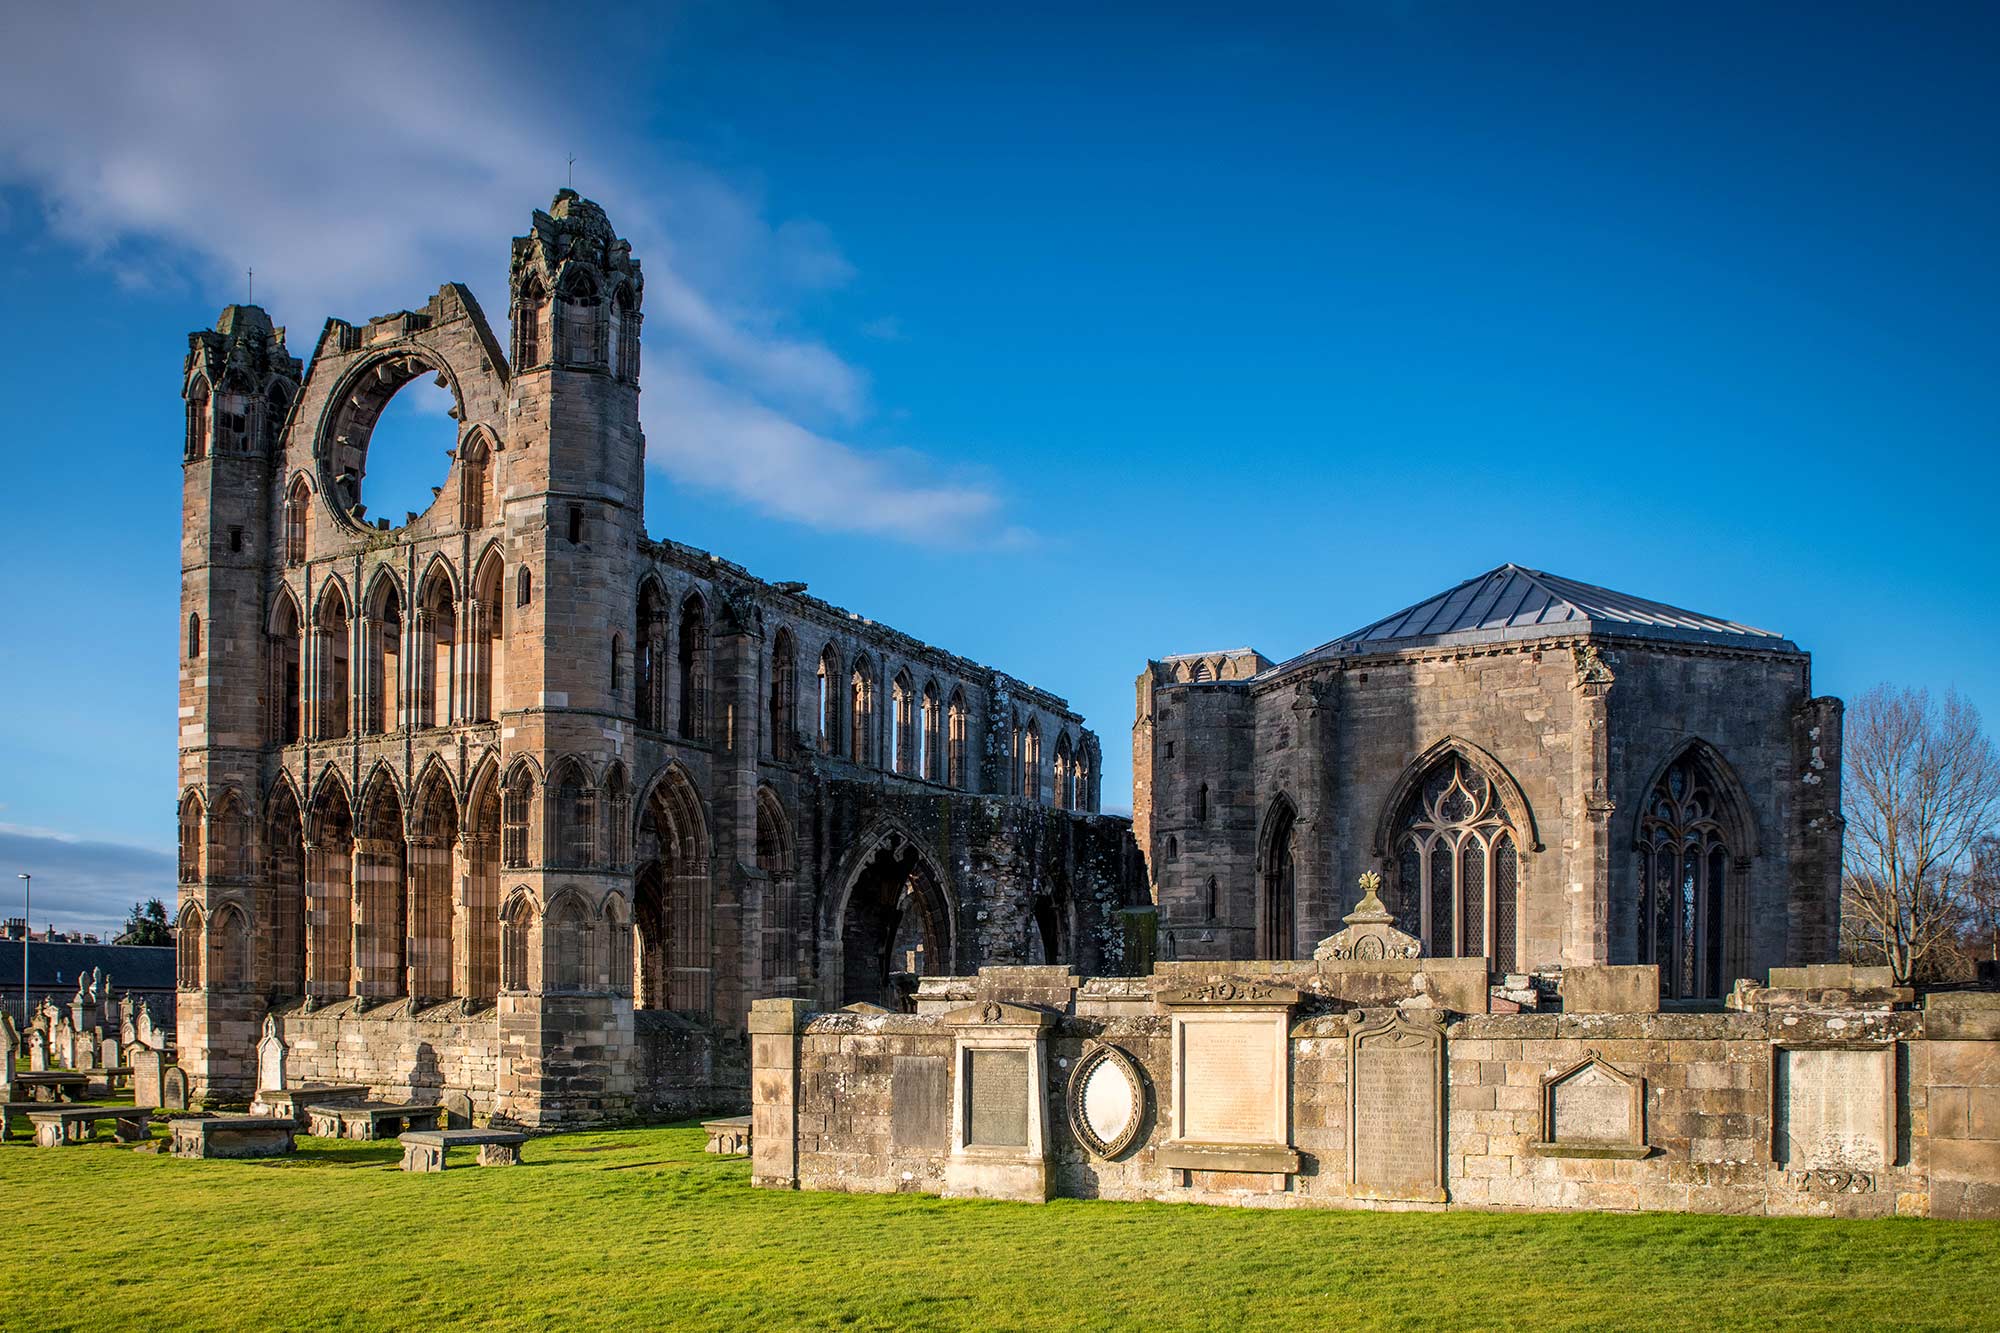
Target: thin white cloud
x,y
782,469
358,155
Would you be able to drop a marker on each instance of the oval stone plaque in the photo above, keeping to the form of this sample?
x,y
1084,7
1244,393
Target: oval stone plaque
x,y
1107,1100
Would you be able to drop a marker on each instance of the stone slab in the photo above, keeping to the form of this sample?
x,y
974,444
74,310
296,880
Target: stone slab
x,y
920,1111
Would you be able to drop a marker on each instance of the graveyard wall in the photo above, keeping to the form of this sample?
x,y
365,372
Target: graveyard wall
x,y
864,1103
685,1066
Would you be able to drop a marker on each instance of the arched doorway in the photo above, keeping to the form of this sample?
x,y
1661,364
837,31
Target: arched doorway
x,y
895,927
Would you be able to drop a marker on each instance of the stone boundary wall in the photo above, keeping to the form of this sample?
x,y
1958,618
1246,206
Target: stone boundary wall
x,y
853,1100
684,1065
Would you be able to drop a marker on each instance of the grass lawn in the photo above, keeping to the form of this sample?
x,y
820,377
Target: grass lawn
x,y
638,1228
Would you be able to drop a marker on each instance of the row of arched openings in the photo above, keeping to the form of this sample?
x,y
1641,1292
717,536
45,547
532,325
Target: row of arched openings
x,y
236,420
428,667
579,328
362,903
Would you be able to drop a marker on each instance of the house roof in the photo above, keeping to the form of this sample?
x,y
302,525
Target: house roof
x,y
1511,602
54,968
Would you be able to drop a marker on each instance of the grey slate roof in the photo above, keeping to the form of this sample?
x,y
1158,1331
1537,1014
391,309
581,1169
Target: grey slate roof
x,y
1512,603
55,967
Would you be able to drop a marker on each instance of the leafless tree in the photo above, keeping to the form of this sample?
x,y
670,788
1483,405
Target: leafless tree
x,y
1921,789
1982,892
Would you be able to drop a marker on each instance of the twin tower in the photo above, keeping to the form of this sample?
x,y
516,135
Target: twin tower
x,y
466,793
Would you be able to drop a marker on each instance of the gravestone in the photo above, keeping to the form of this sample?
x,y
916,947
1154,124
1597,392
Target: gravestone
x,y
128,1030
1231,1078
1834,1108
87,1050
38,1051
111,1053
62,1044
457,1104
1592,1109
999,1122
271,1058
174,1089
1368,933
146,1025
1395,1109
997,1099
920,1103
1106,1099
10,1046
148,1067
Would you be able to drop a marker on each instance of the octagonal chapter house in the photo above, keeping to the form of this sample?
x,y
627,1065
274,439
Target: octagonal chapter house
x,y
1543,772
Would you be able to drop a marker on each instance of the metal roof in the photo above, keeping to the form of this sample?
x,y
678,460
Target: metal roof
x,y
55,967
1514,603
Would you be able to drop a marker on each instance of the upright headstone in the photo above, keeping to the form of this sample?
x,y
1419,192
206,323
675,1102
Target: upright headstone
x,y
112,1053
271,1057
174,1089
128,1028
146,1025
148,1068
87,1050
79,1005
457,1104
62,1046
10,1045
38,1051
1395,1107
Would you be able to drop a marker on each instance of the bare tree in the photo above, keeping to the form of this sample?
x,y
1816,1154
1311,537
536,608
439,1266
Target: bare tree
x,y
1921,788
1982,892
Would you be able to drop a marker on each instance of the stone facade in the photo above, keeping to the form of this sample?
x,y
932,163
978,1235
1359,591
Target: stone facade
x,y
1567,714
467,794
1837,1100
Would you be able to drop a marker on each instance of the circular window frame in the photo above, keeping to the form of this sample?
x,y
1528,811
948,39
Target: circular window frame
x,y
371,384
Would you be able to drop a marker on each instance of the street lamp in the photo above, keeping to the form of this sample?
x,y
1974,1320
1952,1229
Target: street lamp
x,y
27,922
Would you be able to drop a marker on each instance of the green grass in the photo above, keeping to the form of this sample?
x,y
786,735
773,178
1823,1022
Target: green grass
x,y
638,1228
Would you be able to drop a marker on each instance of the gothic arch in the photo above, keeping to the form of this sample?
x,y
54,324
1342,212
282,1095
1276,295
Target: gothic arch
x,y
862,923
1277,880
1740,816
673,787
1511,795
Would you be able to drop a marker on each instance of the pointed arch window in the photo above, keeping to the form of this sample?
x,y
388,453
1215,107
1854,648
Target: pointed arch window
x,y
476,466
528,315
1277,926
516,933
649,669
617,818
930,758
276,403
958,720
193,846
828,684
1686,866
198,422
784,697
576,819
861,713
694,668
194,637
902,729
188,942
287,672
516,809
298,518
625,312
1458,866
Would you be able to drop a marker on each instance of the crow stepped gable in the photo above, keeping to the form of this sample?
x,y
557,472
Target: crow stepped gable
x,y
504,797
1543,773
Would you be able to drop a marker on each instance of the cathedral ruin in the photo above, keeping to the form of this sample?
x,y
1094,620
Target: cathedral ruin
x,y
509,797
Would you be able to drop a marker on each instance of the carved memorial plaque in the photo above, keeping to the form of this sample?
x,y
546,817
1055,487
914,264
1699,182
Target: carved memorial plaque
x,y
174,1089
1395,1111
1834,1110
996,1098
1231,1078
1106,1101
920,1097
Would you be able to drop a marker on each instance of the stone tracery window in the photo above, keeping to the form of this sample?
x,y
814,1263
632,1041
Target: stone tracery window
x,y
1458,867
929,757
515,807
298,516
902,731
1684,882
198,422
958,719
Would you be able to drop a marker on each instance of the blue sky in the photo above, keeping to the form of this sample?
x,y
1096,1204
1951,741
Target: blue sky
x,y
1061,341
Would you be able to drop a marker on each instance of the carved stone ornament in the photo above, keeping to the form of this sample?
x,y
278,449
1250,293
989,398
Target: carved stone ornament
x,y
1106,1100
1370,932
1590,667
1592,1109
1831,1182
1232,991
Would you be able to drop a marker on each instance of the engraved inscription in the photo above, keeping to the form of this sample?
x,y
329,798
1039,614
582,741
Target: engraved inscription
x,y
1232,1084
996,1098
1396,1123
920,1093
1832,1109
1590,1106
